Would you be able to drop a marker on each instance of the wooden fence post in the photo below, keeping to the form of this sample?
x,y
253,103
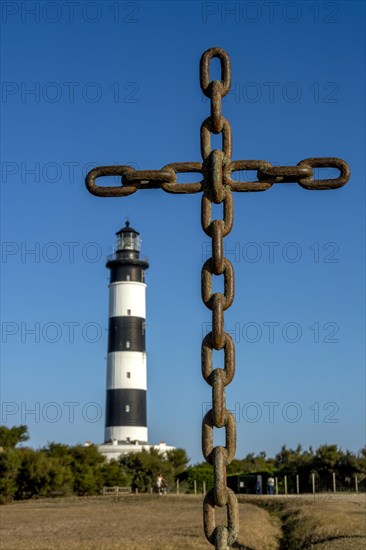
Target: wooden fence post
x,y
177,486
356,483
285,479
195,486
204,487
276,485
313,483
334,483
297,484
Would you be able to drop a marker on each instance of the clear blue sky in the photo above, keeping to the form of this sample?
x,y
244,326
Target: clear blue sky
x,y
117,82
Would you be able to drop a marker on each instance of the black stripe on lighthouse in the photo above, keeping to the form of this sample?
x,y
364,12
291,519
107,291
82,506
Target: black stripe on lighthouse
x,y
126,334
133,273
126,407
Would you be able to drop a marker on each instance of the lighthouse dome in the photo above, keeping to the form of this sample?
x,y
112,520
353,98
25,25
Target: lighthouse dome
x,y
127,229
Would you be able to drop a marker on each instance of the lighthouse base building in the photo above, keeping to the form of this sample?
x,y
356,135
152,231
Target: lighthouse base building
x,y
126,417
112,451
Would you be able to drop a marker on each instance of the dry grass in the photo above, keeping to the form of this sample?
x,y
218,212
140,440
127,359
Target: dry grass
x,y
258,529
328,524
133,522
175,522
324,522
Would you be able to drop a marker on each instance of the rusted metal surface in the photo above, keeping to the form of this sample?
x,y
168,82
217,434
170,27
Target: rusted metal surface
x,y
217,186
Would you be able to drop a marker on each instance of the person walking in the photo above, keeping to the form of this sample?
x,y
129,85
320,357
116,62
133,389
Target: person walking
x,y
160,484
270,485
159,481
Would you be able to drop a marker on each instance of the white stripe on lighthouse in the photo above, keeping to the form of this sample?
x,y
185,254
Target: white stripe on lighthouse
x,y
126,433
127,298
126,369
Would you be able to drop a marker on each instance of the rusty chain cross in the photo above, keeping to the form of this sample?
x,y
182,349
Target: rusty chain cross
x,y
217,186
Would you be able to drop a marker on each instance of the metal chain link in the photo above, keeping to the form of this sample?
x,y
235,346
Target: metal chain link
x,y
217,186
214,191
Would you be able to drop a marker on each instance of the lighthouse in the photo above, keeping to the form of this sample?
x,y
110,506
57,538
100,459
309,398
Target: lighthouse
x,y
126,419
126,410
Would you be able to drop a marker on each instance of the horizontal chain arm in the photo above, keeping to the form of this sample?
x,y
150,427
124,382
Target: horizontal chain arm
x,y
267,174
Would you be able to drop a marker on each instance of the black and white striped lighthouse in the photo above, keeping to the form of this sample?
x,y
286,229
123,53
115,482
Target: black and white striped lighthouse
x,y
126,420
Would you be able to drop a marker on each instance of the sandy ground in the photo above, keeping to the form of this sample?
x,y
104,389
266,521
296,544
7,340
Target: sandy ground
x,y
174,522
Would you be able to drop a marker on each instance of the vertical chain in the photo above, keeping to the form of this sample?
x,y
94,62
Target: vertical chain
x,y
214,163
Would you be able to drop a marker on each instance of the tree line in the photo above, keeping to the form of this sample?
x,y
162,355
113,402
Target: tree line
x,y
59,469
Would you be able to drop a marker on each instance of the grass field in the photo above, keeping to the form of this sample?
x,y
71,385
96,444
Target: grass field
x,y
170,522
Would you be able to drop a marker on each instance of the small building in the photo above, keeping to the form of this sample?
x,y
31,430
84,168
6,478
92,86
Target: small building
x,y
249,484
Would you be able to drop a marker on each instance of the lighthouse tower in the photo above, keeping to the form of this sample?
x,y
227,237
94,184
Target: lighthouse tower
x,y
126,419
